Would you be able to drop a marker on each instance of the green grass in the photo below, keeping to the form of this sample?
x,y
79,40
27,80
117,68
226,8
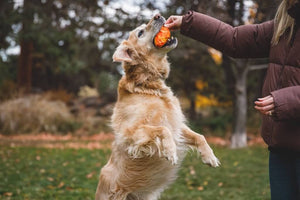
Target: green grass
x,y
38,173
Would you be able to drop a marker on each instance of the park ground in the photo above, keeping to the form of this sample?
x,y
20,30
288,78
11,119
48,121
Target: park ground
x,y
67,167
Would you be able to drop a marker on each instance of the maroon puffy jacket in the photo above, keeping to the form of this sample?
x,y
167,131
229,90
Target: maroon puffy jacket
x,y
282,80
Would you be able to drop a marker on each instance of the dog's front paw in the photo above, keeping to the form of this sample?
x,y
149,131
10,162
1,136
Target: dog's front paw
x,y
170,152
171,156
210,159
135,151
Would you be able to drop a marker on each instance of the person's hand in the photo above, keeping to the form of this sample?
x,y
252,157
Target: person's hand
x,y
174,22
265,105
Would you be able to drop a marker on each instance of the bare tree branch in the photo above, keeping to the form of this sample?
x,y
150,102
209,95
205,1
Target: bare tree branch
x,y
258,67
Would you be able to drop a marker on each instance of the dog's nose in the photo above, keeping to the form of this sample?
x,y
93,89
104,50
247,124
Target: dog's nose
x,y
157,16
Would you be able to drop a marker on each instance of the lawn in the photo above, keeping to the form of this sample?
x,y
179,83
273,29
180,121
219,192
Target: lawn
x,y
41,173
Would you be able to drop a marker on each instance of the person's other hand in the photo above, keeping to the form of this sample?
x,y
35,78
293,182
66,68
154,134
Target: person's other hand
x,y
265,105
174,22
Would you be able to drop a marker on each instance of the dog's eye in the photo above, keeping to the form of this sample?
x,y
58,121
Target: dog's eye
x,y
141,32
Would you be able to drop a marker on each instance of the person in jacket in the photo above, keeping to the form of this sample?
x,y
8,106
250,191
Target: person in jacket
x,y
279,40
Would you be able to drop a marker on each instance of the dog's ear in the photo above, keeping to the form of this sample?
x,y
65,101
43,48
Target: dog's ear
x,y
122,54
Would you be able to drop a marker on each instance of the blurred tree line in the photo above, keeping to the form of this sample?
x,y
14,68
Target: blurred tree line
x,y
66,44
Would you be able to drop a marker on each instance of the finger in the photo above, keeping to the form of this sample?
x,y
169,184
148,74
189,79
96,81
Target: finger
x,y
258,108
265,109
269,112
264,98
170,24
265,102
170,20
268,108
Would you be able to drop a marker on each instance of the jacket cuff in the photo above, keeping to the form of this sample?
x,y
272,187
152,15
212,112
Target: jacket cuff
x,y
286,101
277,105
187,20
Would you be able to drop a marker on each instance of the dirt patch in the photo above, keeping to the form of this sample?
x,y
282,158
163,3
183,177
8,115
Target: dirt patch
x,y
251,140
45,140
97,141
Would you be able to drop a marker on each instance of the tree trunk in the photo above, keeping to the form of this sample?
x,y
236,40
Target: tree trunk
x,y
192,110
229,74
25,66
239,135
25,59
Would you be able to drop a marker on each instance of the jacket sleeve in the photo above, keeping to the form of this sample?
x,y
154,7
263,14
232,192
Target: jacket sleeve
x,y
246,41
287,103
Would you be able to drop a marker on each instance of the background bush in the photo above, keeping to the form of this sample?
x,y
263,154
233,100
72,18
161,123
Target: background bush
x,y
35,113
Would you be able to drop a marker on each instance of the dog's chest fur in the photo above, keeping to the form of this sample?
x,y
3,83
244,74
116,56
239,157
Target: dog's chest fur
x,y
133,110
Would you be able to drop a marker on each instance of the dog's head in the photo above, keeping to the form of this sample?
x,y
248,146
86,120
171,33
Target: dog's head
x,y
139,49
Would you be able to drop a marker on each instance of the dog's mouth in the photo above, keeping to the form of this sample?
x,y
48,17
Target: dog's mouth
x,y
163,38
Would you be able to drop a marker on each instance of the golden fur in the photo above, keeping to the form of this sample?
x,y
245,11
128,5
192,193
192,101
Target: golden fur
x,y
151,137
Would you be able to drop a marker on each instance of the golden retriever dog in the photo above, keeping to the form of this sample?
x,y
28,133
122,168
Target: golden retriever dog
x,y
151,137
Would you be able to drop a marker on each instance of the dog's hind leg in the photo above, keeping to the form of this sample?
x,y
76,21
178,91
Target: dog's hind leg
x,y
104,186
108,188
147,140
198,141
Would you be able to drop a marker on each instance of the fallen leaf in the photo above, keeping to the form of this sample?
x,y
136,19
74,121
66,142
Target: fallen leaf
x,y
200,188
69,188
61,184
90,175
8,194
98,164
50,179
192,170
235,163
